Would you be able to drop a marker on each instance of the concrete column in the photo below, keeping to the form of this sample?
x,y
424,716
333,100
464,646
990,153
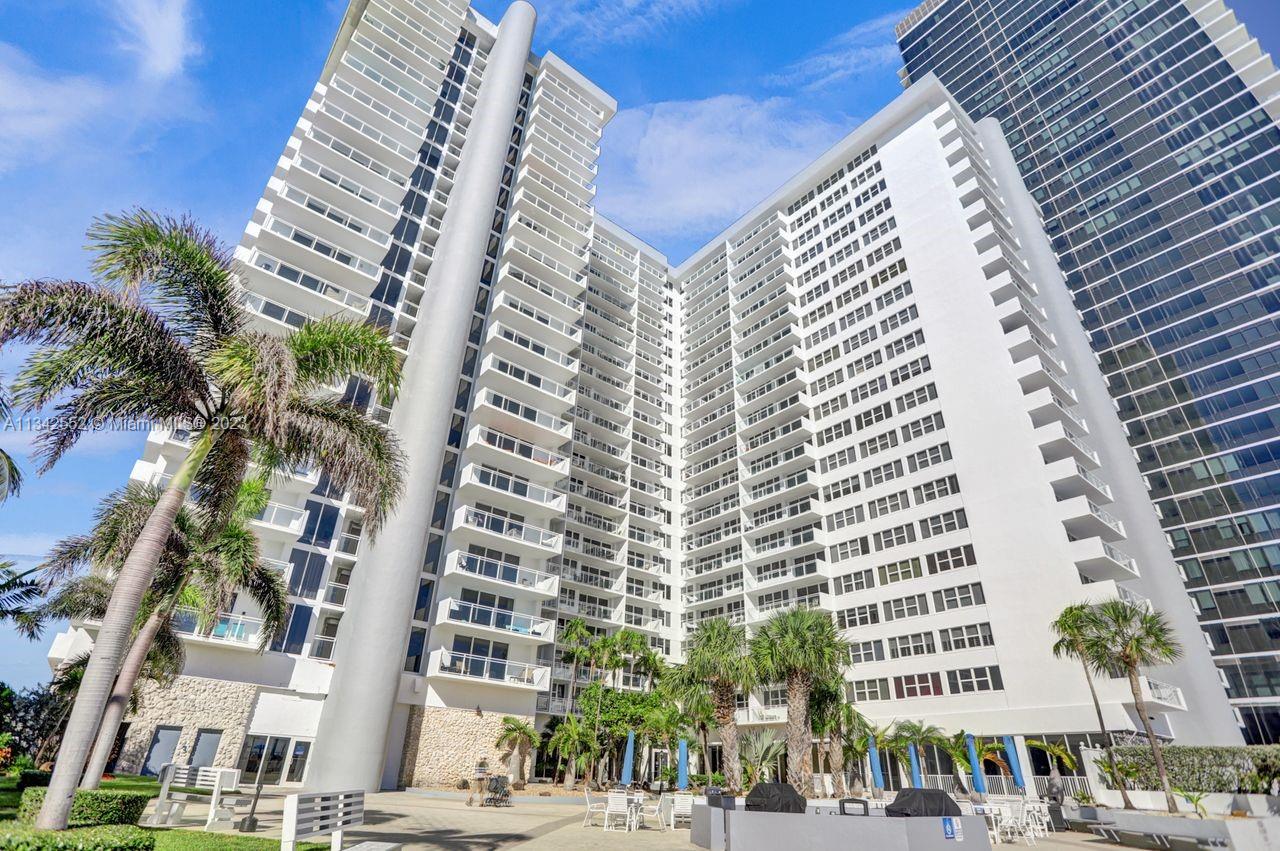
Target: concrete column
x,y
352,737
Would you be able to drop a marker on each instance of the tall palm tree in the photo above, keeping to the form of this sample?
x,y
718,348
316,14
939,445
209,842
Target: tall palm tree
x,y
1127,636
1072,627
164,338
855,733
575,743
202,567
575,639
518,736
956,746
718,654
10,474
799,647
693,696
826,704
1057,753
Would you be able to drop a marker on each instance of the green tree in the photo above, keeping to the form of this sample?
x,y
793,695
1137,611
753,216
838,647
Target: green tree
x,y
575,642
855,741
693,696
918,733
799,647
164,338
10,474
201,568
718,654
518,736
760,753
956,746
1127,636
573,742
1072,627
1057,753
827,702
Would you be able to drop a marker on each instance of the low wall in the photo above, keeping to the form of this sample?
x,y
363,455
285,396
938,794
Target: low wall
x,y
755,831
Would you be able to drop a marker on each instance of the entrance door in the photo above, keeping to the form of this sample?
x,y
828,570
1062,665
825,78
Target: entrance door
x,y
163,743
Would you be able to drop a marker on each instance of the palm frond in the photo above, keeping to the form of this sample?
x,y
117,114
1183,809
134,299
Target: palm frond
x,y
256,371
331,349
188,270
10,473
216,487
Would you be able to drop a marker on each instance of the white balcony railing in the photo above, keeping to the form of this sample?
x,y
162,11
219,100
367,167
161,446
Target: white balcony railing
x,y
282,516
485,668
505,526
461,611
511,574
231,629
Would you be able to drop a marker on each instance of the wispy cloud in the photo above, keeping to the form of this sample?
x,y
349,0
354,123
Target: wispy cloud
x,y
866,48
46,113
686,167
603,22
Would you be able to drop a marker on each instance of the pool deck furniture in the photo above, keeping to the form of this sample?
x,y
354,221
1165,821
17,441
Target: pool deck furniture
x,y
312,814
181,785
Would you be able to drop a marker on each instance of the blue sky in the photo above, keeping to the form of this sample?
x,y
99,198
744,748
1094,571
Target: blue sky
x,y
182,105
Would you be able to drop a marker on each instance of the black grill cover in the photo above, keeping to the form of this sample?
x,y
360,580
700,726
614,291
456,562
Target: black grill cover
x,y
775,798
922,802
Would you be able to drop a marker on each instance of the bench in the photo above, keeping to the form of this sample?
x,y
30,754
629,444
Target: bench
x,y
186,784
313,814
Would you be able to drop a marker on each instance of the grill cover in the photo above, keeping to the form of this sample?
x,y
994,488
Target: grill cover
x,y
922,802
775,798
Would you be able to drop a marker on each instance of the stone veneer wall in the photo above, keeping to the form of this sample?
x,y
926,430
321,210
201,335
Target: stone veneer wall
x,y
194,704
443,745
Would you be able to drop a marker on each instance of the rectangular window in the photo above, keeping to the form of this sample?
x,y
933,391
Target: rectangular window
x,y
937,489
888,504
883,473
947,521
929,457
869,418
959,597
967,680
842,488
859,580
841,519
870,388
868,690
944,560
888,440
857,616
894,537
866,651
902,345
917,685
916,397
846,550
900,571
906,607
966,637
910,370
916,644
921,427
897,320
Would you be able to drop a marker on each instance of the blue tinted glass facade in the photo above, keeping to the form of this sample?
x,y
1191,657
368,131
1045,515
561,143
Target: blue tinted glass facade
x,y
1140,128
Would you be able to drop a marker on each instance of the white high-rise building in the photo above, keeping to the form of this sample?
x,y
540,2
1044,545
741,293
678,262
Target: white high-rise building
x,y
870,395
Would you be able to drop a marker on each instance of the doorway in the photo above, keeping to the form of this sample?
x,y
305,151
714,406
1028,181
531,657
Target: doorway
x,y
164,741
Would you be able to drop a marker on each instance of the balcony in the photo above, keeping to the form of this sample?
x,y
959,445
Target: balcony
x,y
507,622
511,416
761,715
535,541
554,705
502,573
1084,518
1057,441
334,595
1070,478
488,671
230,630
277,516
505,451
1162,695
519,493
1100,561
346,544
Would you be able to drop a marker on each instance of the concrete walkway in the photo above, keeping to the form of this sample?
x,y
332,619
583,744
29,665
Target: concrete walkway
x,y
432,821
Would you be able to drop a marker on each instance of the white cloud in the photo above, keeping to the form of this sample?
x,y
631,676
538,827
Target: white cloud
x,y
866,48
31,545
615,21
692,167
46,114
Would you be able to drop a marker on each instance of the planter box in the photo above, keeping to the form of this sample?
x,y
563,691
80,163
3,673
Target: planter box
x,y
1239,834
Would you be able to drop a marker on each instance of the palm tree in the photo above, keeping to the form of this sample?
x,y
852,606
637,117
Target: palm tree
x,y
518,736
826,704
918,733
799,647
575,743
164,338
575,639
1128,636
760,753
19,590
1057,752
201,567
10,475
666,726
956,747
718,655
1073,626
693,697
855,734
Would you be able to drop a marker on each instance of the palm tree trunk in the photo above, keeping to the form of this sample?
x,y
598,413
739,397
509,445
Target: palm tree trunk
x,y
119,700
569,778
113,636
836,744
1106,737
726,704
799,738
1156,753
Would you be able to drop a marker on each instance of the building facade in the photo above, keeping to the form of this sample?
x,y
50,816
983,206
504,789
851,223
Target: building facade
x,y
1147,134
870,395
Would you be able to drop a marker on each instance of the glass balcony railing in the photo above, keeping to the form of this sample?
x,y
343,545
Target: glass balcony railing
x,y
282,516
232,629
512,574
461,611
512,485
488,668
509,528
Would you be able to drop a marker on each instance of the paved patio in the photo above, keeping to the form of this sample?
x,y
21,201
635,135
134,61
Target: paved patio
x,y
432,820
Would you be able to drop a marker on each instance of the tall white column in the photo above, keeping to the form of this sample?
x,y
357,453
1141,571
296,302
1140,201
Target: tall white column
x,y
352,737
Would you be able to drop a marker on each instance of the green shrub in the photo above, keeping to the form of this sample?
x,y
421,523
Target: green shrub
x,y
116,837
90,806
1205,769
32,779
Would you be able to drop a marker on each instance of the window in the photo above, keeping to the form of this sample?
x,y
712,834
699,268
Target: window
x,y
939,524
897,320
916,644
967,680
898,293
870,388
849,549
937,489
842,488
888,440
918,685
966,637
415,654
929,457
906,607
894,537
857,581
826,382
888,504
841,519
866,690
831,406
903,345
900,571
866,362
206,748
869,418
959,597
883,473
944,560
866,651
910,370
838,459
857,616
835,432
773,696
921,427
916,397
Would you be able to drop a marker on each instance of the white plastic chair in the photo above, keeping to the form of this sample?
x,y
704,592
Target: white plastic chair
x,y
681,809
617,810
592,809
655,812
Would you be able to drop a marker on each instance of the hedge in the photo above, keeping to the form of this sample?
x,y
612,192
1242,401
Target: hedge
x,y
90,806
32,779
1252,768
115,837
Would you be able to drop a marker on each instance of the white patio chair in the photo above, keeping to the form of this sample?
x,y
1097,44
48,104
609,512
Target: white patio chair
x,y
617,811
681,809
655,812
1013,822
592,809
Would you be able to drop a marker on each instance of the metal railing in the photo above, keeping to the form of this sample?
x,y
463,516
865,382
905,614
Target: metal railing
x,y
233,629
461,611
509,528
488,668
512,574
